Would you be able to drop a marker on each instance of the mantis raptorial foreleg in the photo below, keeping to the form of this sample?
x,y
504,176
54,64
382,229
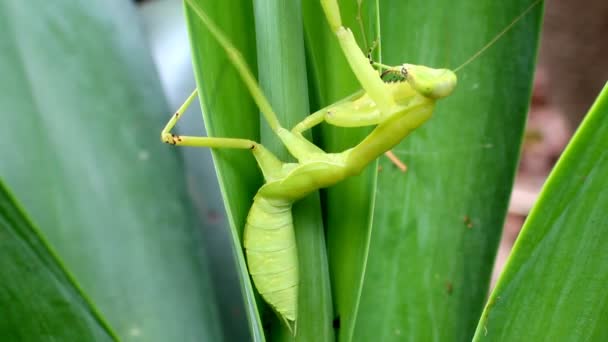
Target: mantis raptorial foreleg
x,y
298,146
340,118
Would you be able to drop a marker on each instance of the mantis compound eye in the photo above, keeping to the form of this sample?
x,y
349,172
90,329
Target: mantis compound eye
x,y
404,72
432,83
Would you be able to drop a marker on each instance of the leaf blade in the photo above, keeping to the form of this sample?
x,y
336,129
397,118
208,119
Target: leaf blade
x,y
552,285
82,152
412,263
282,70
218,85
437,227
347,235
54,300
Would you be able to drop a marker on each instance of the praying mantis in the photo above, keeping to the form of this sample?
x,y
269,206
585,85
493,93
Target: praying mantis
x,y
394,109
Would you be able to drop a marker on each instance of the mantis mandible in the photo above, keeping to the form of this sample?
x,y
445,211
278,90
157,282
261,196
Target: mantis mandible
x,y
395,109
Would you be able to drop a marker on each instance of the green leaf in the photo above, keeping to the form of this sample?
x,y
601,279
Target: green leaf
x,y
554,284
282,70
279,47
81,150
39,300
229,111
435,228
348,204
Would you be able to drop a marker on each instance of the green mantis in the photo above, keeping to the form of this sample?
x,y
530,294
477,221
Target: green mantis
x,y
395,109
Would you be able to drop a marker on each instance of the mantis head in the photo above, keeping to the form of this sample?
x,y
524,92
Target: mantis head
x,y
432,83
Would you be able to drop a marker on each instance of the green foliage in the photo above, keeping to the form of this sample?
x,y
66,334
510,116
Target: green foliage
x,y
436,229
554,284
284,50
80,150
55,302
422,252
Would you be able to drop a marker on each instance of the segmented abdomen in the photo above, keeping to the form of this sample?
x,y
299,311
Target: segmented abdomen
x,y
272,258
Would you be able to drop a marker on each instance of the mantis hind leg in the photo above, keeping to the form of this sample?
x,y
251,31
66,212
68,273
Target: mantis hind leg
x,y
167,137
268,162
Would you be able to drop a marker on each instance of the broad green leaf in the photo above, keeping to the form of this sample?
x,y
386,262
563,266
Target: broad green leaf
x,y
80,147
281,66
554,284
39,300
347,205
435,228
229,111
282,75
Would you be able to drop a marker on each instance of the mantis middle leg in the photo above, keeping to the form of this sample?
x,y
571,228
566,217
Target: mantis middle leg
x,y
354,120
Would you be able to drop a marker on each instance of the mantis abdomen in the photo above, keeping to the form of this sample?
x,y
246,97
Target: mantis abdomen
x,y
272,258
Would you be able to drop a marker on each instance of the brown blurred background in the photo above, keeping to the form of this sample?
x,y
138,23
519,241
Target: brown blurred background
x,y
572,69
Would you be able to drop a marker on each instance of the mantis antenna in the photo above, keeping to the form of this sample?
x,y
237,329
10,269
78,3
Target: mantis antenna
x,y
498,36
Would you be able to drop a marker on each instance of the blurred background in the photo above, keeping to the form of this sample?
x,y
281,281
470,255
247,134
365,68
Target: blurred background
x,y
165,27
572,68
